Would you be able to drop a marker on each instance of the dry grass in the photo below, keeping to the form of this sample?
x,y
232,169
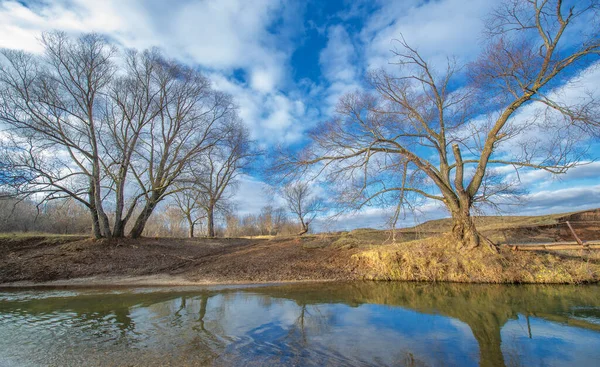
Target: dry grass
x,y
26,235
490,223
439,259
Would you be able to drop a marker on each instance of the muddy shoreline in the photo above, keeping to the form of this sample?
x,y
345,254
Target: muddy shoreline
x,y
142,282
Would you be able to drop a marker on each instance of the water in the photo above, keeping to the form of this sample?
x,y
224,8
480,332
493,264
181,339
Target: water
x,y
349,324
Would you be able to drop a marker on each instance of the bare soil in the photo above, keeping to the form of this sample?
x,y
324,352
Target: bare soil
x,y
44,259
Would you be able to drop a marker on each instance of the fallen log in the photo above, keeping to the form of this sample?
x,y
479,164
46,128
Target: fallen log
x,y
574,234
556,246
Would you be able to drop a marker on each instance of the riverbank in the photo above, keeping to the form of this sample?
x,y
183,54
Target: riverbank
x,y
147,281
71,260
423,253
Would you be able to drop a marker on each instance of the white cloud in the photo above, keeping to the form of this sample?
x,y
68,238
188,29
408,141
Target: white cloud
x,y
21,25
339,65
336,59
378,218
272,117
541,178
542,123
221,32
438,28
252,195
262,81
570,199
220,36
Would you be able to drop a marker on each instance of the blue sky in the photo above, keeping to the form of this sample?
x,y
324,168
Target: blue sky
x,y
287,62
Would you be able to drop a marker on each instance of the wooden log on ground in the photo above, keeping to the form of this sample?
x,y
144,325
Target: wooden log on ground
x,y
574,234
556,247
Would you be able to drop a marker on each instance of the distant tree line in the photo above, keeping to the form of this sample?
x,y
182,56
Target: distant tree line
x,y
60,217
271,221
68,216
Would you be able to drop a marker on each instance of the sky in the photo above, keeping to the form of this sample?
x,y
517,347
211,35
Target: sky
x,y
286,63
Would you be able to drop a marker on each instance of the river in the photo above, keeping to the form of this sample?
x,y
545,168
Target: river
x,y
306,324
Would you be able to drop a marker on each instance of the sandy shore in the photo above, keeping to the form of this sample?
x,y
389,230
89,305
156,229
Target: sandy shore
x,y
142,281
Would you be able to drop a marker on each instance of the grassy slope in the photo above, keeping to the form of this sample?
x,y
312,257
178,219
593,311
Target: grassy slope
x,y
438,259
426,253
502,229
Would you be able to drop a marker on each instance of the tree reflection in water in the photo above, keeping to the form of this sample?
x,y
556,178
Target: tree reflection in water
x,y
358,323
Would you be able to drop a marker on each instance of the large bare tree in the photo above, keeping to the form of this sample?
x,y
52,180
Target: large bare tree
x,y
51,105
134,101
418,132
191,122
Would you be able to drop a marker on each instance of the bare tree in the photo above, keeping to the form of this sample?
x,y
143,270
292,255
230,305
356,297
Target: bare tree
x,y
190,124
114,136
271,220
232,224
135,99
162,116
51,103
302,203
416,134
189,200
213,175
59,216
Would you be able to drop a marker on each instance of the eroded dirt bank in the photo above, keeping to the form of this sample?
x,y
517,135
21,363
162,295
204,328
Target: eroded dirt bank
x,y
170,261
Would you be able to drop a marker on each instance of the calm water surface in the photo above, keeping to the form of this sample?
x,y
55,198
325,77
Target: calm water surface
x,y
350,324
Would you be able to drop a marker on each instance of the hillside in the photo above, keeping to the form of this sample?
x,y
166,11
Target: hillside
x,y
504,229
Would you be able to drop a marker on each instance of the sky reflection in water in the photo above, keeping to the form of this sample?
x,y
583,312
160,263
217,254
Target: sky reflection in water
x,y
357,324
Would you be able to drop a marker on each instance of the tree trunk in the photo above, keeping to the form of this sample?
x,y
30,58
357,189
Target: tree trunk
x,y
304,228
464,229
97,200
142,219
95,220
103,219
210,221
119,223
191,226
119,229
95,224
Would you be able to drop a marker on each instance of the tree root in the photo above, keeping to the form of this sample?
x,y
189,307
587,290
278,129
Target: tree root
x,y
482,240
491,245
